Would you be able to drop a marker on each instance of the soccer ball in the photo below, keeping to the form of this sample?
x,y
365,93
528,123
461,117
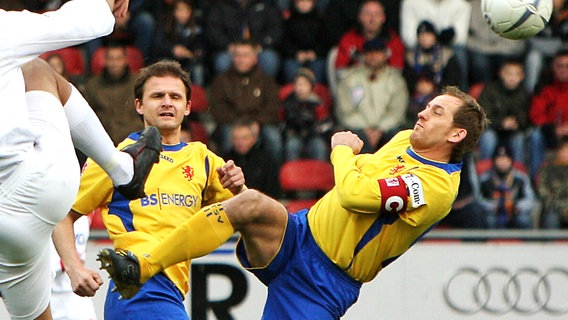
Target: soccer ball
x,y
517,19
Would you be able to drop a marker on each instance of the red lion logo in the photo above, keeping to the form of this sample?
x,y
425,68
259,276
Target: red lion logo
x,y
188,172
396,169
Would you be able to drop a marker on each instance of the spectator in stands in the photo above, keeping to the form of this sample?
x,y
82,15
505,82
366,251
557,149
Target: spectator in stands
x,y
506,102
179,37
341,16
304,45
467,212
306,120
429,54
546,43
450,17
507,195
549,112
136,28
286,5
259,21
258,165
486,49
246,91
424,90
111,96
371,26
553,189
372,98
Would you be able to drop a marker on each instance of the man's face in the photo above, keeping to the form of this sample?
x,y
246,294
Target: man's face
x,y
560,68
164,103
304,6
244,58
512,75
243,139
182,12
116,62
372,17
426,40
435,123
302,87
375,59
503,164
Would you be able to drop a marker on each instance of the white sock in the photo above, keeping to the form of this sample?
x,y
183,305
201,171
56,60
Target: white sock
x,y
90,137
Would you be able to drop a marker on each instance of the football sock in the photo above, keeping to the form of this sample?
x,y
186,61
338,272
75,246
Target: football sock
x,y
90,137
208,229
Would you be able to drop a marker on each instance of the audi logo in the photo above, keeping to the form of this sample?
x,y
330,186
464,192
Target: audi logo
x,y
499,290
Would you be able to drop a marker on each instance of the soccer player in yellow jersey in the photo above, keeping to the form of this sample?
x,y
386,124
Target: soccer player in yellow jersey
x,y
187,177
315,261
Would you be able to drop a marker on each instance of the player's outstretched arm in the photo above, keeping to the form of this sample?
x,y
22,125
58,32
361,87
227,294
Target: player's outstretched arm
x,y
85,282
232,177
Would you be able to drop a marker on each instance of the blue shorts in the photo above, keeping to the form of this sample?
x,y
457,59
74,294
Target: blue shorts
x,y
303,283
158,299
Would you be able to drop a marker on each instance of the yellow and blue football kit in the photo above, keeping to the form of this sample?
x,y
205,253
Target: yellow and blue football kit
x,y
381,204
178,186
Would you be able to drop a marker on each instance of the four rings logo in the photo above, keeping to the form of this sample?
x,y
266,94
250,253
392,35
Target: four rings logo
x,y
499,290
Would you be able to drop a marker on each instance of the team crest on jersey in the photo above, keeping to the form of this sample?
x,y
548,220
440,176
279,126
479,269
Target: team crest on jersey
x,y
396,169
188,172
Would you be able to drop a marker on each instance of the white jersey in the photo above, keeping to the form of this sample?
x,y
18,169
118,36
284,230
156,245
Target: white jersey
x,y
24,36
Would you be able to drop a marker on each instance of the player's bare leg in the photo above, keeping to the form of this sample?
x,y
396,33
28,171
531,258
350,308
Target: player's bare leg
x,y
46,315
260,219
128,169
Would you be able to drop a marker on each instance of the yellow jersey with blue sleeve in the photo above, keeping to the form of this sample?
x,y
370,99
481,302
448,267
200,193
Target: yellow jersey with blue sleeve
x,y
183,181
381,204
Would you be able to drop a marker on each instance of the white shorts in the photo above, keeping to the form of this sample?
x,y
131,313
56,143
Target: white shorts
x,y
69,306
34,197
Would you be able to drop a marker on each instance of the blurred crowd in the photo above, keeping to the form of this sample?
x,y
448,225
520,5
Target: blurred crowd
x,y
278,77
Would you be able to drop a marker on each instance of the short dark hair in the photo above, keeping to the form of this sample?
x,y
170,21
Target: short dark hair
x,y
161,69
471,117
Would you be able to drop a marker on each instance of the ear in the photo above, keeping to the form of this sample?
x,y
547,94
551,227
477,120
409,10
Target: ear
x,y
187,108
457,135
138,104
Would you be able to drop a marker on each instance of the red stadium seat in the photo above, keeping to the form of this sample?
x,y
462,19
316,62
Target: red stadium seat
x,y
475,89
134,55
198,131
305,175
199,100
97,220
73,58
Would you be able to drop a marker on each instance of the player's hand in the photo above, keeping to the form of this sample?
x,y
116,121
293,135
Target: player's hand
x,y
85,282
347,138
231,177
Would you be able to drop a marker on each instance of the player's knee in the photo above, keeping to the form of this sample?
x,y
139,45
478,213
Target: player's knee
x,y
39,75
246,207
